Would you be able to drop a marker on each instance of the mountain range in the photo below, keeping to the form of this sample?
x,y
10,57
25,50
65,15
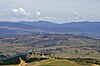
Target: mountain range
x,y
85,28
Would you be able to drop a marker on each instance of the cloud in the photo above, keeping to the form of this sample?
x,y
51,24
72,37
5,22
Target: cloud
x,y
20,12
38,14
78,16
50,17
47,18
15,10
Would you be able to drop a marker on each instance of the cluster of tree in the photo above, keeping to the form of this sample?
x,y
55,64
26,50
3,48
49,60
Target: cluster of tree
x,y
83,60
16,59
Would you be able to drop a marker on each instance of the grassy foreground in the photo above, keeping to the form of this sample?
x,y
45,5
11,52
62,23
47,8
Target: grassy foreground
x,y
46,62
49,62
53,62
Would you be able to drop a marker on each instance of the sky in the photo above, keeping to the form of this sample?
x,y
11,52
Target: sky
x,y
57,11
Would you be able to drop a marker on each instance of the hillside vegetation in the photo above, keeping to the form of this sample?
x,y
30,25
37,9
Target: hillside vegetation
x,y
48,62
60,48
62,45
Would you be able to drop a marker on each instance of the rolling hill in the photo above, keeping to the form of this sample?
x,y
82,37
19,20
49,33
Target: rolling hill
x,y
62,45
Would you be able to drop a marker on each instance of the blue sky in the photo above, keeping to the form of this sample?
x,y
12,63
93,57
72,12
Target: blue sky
x,y
58,11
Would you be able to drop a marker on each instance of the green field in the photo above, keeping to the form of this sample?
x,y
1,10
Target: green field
x,y
50,62
37,60
53,62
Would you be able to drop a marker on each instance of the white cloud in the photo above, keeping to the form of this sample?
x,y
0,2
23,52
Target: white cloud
x,y
78,16
21,9
75,16
15,10
38,14
47,18
50,17
20,12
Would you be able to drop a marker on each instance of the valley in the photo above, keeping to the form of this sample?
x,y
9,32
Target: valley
x,y
23,38
52,45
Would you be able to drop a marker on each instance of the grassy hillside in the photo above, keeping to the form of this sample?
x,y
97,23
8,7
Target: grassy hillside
x,y
37,60
50,62
53,62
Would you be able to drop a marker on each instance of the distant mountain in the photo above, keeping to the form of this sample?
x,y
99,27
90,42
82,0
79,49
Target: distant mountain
x,y
85,26
66,27
25,27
